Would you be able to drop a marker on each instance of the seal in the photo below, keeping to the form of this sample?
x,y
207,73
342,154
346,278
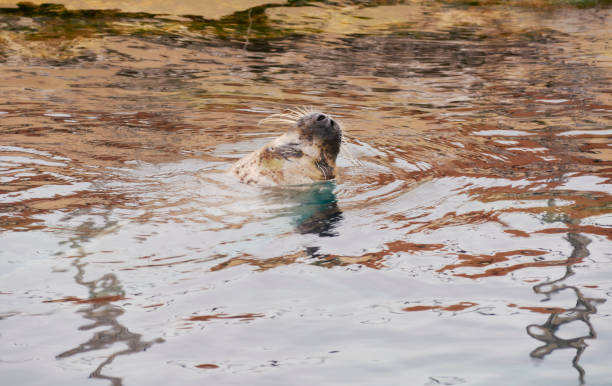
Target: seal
x,y
305,153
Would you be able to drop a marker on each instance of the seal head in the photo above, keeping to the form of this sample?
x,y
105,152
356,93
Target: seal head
x,y
305,154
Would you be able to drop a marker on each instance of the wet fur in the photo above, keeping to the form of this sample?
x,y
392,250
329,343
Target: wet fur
x,y
305,154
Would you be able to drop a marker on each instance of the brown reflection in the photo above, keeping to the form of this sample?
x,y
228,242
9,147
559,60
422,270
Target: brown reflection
x,y
374,260
45,180
103,314
100,299
398,97
486,260
581,312
454,219
591,229
576,205
453,307
241,317
207,366
261,264
540,310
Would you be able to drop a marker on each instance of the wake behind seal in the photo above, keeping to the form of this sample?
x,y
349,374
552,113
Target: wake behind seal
x,y
306,153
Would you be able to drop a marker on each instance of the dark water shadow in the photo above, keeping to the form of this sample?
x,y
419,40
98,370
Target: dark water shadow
x,y
312,207
101,312
581,312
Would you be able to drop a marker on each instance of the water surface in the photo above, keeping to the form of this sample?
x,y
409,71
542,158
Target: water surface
x,y
466,239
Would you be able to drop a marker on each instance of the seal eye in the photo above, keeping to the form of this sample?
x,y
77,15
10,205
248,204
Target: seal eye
x,y
320,117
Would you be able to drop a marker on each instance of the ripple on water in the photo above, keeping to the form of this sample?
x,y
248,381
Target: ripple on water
x,y
471,209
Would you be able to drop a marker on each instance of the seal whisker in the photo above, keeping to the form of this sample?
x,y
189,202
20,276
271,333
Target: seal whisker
x,y
289,118
298,113
284,115
322,170
276,120
309,110
302,111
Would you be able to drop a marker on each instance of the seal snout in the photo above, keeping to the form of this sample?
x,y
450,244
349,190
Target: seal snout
x,y
326,120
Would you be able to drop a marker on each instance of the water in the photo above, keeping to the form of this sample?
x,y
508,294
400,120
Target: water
x,y
466,239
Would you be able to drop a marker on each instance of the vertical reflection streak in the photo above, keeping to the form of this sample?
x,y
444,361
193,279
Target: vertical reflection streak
x,y
582,311
103,313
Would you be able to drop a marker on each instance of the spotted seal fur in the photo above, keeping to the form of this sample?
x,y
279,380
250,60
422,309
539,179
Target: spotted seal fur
x,y
305,153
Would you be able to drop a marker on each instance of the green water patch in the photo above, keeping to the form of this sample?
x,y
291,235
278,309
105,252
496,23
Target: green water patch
x,y
529,3
251,29
584,3
252,23
59,10
580,3
257,29
55,21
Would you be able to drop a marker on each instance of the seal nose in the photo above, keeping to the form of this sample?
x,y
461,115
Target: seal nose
x,y
320,117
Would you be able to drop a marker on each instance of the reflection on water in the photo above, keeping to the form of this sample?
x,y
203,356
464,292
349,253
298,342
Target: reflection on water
x,y
314,207
581,312
108,332
478,146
